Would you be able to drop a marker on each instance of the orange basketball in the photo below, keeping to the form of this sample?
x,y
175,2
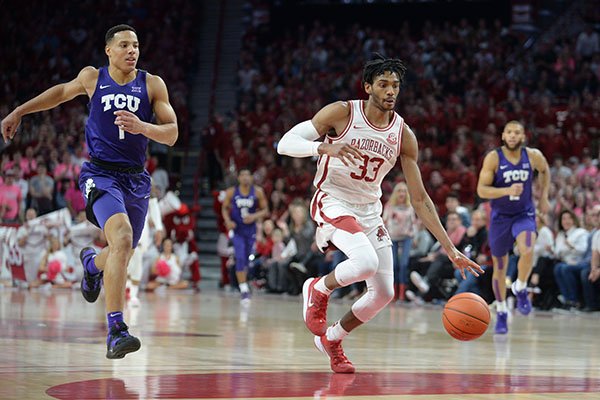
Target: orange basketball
x,y
466,316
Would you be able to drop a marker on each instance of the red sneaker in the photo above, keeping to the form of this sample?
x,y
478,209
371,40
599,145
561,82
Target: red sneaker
x,y
337,359
315,307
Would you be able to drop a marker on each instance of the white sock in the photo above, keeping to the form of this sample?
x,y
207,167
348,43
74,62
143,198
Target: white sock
x,y
244,287
336,332
133,290
320,286
520,285
501,306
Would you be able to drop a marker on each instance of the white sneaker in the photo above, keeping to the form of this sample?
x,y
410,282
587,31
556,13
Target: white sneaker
x,y
410,295
419,282
134,302
299,266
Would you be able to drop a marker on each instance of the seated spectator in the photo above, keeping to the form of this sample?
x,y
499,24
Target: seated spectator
x,y
573,252
10,199
441,267
542,275
453,205
53,267
167,269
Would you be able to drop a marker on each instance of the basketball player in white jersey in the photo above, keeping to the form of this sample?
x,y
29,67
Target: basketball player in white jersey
x,y
369,138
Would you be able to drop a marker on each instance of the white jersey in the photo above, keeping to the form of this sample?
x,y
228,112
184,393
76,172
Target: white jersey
x,y
360,184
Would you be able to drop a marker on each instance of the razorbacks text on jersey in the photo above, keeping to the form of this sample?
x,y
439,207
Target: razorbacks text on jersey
x,y
361,184
506,175
104,139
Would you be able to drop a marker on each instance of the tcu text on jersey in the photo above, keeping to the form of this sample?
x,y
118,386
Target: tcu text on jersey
x,y
517,175
244,202
120,101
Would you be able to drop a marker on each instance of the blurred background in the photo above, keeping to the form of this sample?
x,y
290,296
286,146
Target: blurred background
x,y
241,73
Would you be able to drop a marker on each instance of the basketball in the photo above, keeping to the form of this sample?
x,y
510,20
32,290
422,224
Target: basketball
x,y
466,316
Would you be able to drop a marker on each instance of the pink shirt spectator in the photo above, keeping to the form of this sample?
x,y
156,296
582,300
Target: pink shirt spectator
x,y
74,197
28,167
456,236
10,199
590,170
63,170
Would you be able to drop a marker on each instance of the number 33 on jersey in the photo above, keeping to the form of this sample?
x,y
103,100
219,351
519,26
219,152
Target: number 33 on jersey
x,y
361,183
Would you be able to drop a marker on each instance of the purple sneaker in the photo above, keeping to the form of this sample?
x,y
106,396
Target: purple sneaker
x,y
91,283
523,302
501,324
119,342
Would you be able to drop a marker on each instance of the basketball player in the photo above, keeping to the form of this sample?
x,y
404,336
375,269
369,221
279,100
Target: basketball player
x,y
123,101
243,205
506,178
369,138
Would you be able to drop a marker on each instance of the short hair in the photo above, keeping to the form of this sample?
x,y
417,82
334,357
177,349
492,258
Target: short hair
x,y
380,65
515,122
453,213
242,169
110,34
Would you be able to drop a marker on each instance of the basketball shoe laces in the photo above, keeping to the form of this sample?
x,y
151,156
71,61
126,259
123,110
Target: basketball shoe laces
x,y
337,353
319,301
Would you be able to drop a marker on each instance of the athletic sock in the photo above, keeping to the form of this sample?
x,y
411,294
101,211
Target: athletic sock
x,y
520,285
320,286
336,332
113,318
133,290
501,306
244,287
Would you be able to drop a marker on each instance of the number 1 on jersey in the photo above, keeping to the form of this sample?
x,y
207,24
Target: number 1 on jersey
x,y
121,134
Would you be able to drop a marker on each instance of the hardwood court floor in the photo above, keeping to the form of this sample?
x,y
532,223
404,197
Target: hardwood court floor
x,y
208,345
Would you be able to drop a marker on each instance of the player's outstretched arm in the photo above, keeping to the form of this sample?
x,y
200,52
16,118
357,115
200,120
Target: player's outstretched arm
x,y
541,165
48,99
165,130
300,140
425,208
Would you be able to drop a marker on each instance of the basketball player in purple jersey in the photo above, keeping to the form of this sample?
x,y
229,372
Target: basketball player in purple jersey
x,y
240,214
506,178
123,102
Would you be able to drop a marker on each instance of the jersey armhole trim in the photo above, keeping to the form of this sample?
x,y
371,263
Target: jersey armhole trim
x,y
348,125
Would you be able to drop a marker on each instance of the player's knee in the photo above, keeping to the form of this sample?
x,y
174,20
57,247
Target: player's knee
x,y
122,239
366,259
384,295
526,251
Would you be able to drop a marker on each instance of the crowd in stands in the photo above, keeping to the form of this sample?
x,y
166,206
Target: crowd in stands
x,y
465,81
39,168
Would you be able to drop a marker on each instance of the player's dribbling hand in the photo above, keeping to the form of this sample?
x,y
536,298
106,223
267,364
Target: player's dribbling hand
x,y
462,263
10,125
348,154
129,122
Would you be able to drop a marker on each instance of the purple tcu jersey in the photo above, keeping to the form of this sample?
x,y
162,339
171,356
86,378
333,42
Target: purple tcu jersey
x,y
240,207
507,174
104,139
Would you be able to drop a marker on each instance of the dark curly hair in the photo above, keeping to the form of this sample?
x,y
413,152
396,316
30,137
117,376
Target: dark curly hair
x,y
380,65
